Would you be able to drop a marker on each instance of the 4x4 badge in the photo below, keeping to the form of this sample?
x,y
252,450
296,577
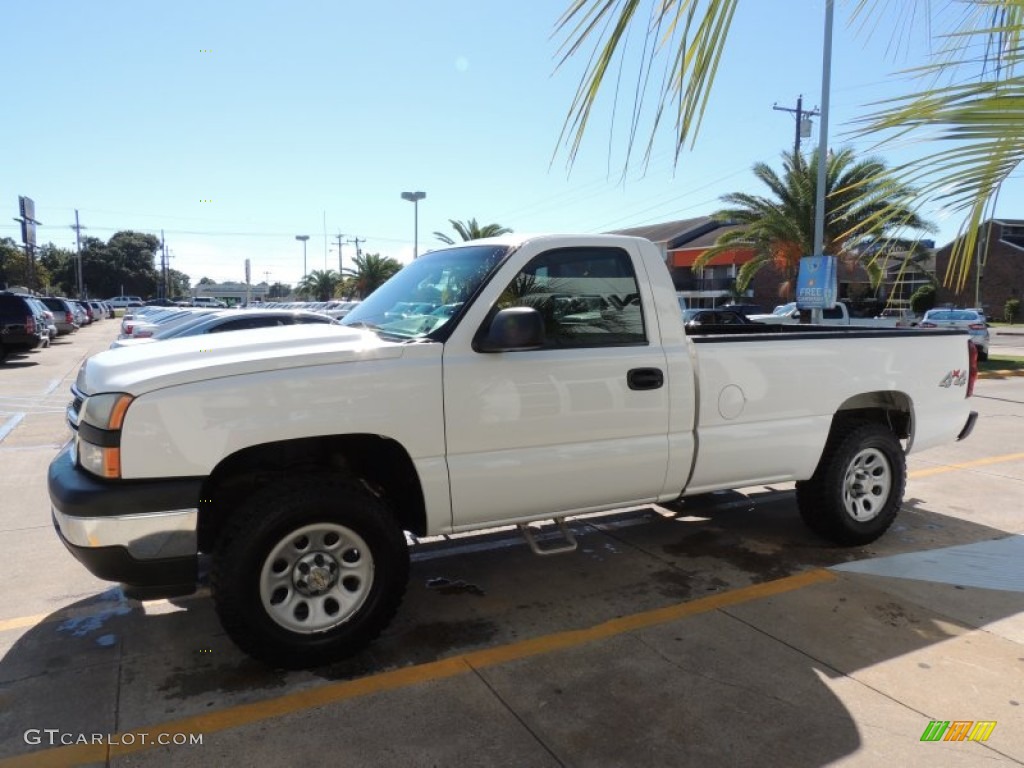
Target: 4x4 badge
x,y
957,377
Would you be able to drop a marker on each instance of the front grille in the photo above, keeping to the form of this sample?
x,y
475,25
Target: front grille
x,y
75,408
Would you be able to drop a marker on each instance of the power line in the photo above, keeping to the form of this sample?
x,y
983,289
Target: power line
x,y
217,233
671,201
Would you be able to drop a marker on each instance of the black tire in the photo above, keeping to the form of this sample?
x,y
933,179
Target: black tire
x,y
309,572
856,491
982,355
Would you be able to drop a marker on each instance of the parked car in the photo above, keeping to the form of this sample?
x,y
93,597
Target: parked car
x,y
81,316
788,314
338,309
229,320
144,325
969,319
99,312
21,325
905,318
109,309
63,314
46,318
209,302
698,317
744,309
118,302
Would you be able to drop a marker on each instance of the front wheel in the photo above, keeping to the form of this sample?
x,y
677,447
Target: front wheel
x,y
856,491
309,572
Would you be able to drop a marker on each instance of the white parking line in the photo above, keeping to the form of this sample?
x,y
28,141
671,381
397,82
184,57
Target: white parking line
x,y
10,424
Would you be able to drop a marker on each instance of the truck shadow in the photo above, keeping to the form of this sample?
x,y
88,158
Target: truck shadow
x,y
108,663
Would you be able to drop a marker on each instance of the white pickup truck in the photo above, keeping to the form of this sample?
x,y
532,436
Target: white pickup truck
x,y
538,378
788,314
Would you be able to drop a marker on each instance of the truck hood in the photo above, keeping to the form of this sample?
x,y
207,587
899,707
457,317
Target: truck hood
x,y
142,368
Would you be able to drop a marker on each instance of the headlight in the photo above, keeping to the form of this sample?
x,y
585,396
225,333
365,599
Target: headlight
x,y
99,433
106,411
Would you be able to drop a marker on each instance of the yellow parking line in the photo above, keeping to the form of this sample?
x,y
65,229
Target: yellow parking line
x,y
246,714
966,465
25,621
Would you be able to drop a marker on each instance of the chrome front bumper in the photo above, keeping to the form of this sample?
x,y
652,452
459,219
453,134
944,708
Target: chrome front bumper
x,y
150,536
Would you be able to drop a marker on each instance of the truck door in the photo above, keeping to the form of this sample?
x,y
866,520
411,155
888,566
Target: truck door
x,y
579,424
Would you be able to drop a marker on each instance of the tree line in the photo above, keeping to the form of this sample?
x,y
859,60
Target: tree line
x,y
123,264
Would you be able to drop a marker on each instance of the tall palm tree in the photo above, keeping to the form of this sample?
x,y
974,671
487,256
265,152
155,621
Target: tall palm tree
x,y
978,121
370,272
320,283
470,230
864,204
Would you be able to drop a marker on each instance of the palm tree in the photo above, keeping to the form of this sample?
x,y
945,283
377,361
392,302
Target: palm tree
x,y
470,230
371,271
320,284
977,120
864,204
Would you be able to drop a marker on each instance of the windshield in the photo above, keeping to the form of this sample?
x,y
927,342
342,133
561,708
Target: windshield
x,y
427,293
784,309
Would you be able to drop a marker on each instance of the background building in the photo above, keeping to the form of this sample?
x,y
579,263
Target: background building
x,y
996,273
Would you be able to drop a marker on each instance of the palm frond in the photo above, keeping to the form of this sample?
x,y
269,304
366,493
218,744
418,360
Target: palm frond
x,y
691,36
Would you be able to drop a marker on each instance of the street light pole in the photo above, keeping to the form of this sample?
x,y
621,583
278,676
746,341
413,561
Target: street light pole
x,y
819,204
303,238
414,198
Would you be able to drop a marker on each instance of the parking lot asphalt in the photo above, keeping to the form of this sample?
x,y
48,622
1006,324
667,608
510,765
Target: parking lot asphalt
x,y
714,631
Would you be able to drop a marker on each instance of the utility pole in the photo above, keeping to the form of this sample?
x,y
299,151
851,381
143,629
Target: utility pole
x,y
819,204
801,115
356,241
339,236
165,272
78,249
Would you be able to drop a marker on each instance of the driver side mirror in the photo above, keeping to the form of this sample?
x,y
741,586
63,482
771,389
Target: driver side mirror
x,y
515,329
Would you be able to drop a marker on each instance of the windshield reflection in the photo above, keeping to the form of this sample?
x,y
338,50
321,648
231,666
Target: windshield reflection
x,y
427,293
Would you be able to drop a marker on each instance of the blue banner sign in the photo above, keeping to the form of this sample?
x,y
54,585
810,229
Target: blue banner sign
x,y
816,283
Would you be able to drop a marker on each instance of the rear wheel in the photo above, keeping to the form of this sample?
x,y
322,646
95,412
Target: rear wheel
x,y
857,489
309,572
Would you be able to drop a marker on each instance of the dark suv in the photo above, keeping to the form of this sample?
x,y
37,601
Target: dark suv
x,y
21,327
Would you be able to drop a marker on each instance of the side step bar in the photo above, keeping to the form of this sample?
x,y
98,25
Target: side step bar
x,y
570,544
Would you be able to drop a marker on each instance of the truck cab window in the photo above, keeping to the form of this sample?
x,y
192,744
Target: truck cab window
x,y
588,297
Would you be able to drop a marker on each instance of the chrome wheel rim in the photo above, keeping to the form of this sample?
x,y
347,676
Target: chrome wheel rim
x,y
867,485
316,578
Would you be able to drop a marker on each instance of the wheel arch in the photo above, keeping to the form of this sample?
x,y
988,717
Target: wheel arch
x,y
380,464
891,408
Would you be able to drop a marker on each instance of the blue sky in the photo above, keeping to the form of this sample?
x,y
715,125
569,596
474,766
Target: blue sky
x,y
290,116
